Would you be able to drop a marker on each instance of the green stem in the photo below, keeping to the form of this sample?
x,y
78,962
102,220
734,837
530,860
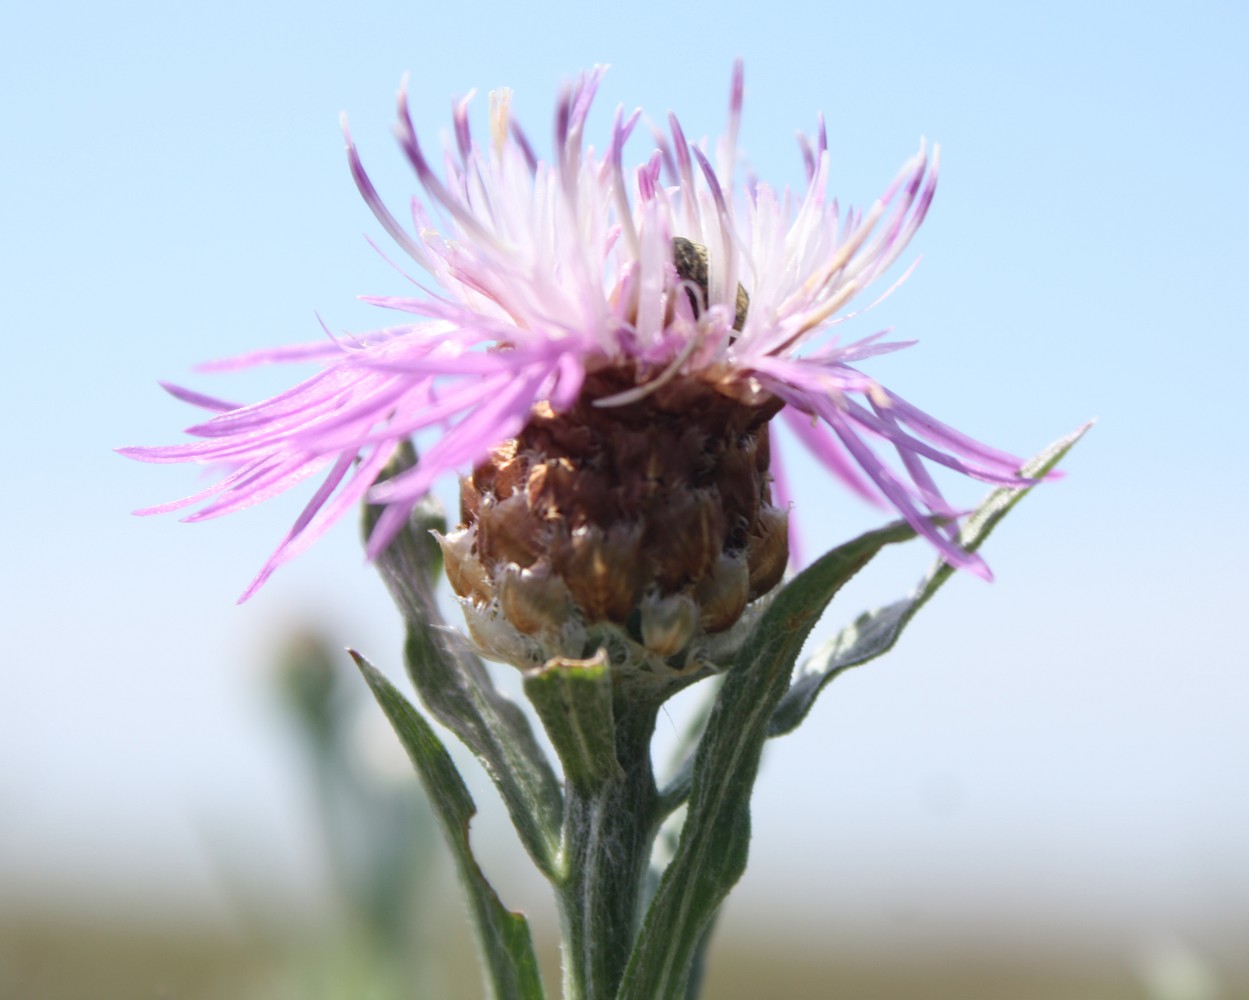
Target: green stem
x,y
608,832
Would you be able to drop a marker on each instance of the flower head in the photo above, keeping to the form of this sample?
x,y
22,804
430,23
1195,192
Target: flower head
x,y
604,347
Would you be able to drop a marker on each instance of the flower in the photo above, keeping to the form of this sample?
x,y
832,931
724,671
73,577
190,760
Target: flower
x,y
579,287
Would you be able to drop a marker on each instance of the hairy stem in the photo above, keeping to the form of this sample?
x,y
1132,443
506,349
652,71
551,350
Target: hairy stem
x,y
608,832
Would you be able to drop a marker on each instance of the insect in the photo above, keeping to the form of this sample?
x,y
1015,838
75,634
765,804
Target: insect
x,y
691,260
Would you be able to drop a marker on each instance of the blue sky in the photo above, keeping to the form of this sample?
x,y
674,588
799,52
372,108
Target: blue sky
x,y
175,190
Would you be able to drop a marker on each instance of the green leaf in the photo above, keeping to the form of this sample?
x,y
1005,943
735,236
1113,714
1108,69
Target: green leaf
x,y
573,699
876,632
711,854
511,968
455,686
681,772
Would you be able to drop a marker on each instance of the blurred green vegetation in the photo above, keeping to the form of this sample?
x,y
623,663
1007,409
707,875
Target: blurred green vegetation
x,y
393,928
42,958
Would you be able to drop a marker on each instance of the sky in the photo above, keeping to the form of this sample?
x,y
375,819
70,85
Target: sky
x,y
1064,748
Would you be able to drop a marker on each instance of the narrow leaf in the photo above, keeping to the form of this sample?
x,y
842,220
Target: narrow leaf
x,y
457,689
711,854
511,968
681,772
573,699
876,632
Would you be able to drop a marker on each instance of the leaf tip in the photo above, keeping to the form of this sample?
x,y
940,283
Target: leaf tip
x,y
369,671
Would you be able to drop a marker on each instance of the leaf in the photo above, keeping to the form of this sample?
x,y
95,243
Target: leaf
x,y
511,968
876,632
711,854
573,699
455,686
681,772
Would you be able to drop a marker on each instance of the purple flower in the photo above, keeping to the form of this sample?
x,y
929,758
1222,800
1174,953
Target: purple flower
x,y
544,274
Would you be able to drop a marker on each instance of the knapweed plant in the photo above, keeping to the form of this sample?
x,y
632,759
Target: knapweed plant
x,y
603,353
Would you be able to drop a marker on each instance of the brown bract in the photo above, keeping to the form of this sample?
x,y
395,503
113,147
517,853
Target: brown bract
x,y
655,515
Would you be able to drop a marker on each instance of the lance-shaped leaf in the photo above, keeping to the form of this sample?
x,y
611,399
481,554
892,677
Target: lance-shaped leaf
x,y
511,968
573,699
876,632
711,854
681,772
455,686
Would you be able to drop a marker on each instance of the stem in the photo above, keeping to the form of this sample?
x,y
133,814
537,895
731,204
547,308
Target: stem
x,y
608,832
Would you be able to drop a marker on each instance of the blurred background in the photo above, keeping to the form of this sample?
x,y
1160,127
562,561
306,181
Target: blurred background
x,y
1041,793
